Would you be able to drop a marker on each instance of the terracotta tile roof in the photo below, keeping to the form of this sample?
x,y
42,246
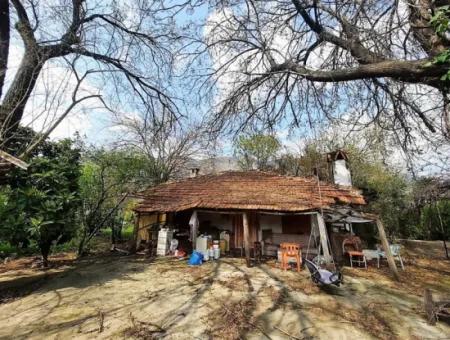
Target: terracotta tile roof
x,y
251,190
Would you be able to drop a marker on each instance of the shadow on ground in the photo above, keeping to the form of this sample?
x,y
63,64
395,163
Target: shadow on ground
x,y
130,296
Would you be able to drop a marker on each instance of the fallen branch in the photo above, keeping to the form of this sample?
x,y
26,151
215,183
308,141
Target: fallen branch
x,y
288,334
101,319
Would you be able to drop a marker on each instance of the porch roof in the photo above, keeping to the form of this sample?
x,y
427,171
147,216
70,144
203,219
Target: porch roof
x,y
249,190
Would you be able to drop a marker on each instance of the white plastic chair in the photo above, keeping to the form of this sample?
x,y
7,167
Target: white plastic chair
x,y
395,250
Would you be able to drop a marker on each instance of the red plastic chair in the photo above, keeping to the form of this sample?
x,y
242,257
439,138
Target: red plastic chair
x,y
353,247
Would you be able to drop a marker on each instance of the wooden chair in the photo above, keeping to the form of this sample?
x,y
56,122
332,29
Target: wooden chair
x,y
352,246
289,251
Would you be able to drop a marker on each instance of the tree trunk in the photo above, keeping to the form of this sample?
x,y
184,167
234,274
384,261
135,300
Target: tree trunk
x,y
4,41
246,238
113,234
13,105
133,245
82,243
444,236
45,251
387,250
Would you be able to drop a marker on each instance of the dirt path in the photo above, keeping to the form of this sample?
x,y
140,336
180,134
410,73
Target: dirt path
x,y
166,298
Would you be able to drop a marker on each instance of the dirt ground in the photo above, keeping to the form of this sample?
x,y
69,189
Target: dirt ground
x,y
133,297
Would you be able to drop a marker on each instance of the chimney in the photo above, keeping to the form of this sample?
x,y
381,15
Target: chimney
x,y
339,167
194,172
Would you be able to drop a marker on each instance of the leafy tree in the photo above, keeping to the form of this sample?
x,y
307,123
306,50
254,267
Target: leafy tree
x,y
386,192
257,151
431,205
108,176
310,161
41,204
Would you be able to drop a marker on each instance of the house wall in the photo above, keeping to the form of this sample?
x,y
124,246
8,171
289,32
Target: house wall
x,y
143,223
270,222
220,221
275,224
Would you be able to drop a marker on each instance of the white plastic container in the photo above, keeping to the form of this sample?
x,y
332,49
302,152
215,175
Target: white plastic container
x,y
164,239
216,253
201,244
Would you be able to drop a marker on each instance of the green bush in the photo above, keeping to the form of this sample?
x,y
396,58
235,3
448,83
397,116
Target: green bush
x,y
40,205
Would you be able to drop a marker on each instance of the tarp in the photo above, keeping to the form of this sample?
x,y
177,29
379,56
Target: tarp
x,y
347,216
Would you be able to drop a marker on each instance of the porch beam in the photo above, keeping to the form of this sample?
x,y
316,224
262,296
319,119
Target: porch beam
x,y
261,212
387,250
246,237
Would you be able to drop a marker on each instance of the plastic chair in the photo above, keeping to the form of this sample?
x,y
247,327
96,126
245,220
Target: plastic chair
x,y
395,250
289,251
352,246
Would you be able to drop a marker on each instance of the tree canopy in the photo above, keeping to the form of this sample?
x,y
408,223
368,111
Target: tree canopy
x,y
312,62
257,151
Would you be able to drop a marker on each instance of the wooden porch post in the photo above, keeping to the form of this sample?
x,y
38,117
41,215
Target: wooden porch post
x,y
134,246
323,237
246,238
194,223
387,249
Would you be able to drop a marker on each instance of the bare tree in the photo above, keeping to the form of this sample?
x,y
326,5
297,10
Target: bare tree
x,y
128,43
312,61
167,148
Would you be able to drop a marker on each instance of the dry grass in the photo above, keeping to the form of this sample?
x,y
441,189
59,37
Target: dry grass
x,y
32,263
272,293
236,283
369,319
142,330
224,300
420,272
231,319
303,285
